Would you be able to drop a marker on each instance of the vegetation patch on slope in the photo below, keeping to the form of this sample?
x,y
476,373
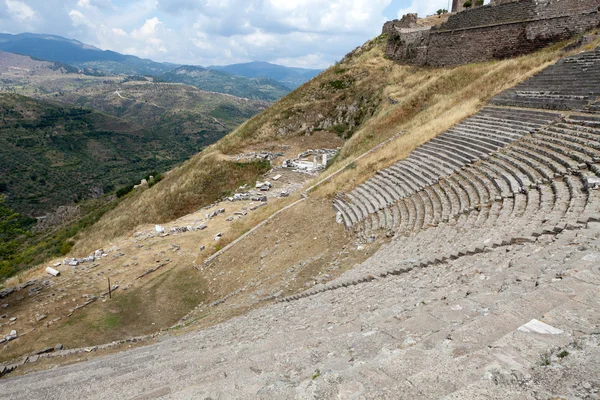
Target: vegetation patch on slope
x,y
223,82
378,99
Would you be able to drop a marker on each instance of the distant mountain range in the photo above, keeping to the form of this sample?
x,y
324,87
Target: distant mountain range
x,y
73,52
84,56
291,77
223,82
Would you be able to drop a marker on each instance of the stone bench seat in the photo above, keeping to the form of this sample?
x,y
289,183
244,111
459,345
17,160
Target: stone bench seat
x,y
360,208
436,203
433,166
347,214
502,185
421,176
545,174
540,148
445,152
522,177
397,185
491,141
525,151
570,143
581,138
550,104
376,194
573,153
480,185
387,189
486,145
431,170
474,193
521,116
407,178
495,132
532,173
525,123
442,159
461,158
505,174
503,127
471,148
367,198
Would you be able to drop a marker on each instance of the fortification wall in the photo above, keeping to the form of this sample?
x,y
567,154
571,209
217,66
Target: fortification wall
x,y
410,46
490,15
501,41
494,32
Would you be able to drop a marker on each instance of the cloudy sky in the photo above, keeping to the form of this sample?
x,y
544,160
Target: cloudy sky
x,y
302,33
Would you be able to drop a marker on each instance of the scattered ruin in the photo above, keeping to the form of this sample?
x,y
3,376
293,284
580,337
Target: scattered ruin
x,y
311,161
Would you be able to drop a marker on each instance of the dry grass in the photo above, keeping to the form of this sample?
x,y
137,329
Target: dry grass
x,y
431,101
350,98
198,182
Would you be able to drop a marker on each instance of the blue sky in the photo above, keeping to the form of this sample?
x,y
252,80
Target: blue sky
x,y
303,33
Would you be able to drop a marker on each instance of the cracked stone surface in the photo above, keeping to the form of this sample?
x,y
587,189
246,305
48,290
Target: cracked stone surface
x,y
448,331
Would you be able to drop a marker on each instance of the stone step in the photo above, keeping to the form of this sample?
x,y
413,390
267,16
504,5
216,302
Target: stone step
x,y
532,174
366,199
544,172
529,153
448,152
396,184
379,194
521,177
471,149
438,157
409,181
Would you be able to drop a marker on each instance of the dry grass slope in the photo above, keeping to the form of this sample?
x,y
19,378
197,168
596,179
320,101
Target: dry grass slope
x,y
352,99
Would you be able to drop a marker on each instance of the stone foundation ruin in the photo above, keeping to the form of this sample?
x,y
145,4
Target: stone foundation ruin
x,y
495,31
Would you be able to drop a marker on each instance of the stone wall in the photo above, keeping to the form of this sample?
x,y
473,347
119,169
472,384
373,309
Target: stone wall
x,y
407,21
409,46
490,15
494,32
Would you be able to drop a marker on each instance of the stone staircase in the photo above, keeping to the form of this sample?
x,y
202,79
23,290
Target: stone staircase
x,y
452,330
472,140
570,84
538,179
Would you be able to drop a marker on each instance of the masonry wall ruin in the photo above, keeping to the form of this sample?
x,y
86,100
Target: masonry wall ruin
x,y
493,31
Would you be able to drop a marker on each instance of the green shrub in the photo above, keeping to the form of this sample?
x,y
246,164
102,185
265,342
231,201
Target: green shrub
x,y
467,4
65,247
124,190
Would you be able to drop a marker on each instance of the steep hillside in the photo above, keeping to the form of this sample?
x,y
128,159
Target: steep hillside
x,y
165,107
54,155
365,99
223,82
291,77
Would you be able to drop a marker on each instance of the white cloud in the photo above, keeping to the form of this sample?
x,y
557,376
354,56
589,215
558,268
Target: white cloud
x,y
20,11
150,27
310,33
78,19
106,4
118,32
